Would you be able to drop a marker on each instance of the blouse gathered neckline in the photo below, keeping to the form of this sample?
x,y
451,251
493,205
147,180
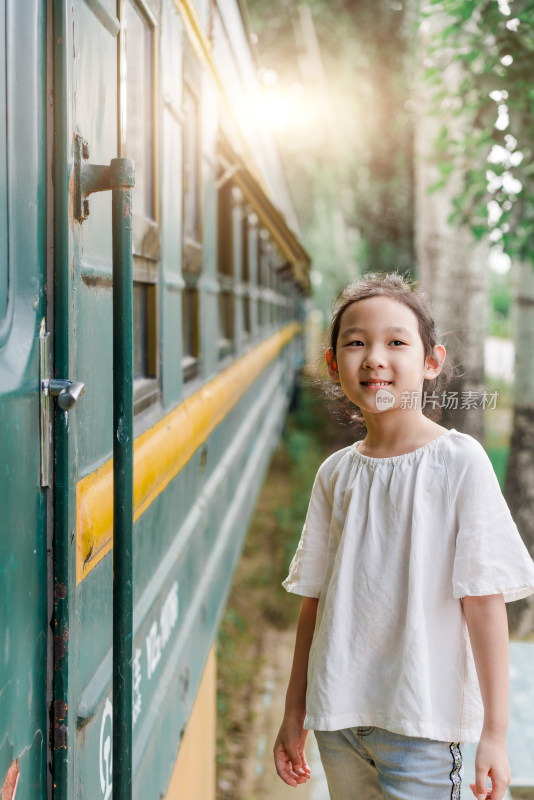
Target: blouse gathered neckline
x,y
403,456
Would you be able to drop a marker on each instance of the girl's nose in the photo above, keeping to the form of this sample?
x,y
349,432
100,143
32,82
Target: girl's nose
x,y
374,358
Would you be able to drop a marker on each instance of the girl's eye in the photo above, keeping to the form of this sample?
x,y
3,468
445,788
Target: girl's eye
x,y
397,342
355,343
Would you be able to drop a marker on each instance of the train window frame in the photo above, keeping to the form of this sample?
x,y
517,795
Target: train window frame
x,y
248,222
277,266
253,265
285,295
229,238
264,281
146,226
192,236
190,328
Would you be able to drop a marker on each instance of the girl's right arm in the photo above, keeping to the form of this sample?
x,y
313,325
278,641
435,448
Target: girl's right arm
x,y
288,750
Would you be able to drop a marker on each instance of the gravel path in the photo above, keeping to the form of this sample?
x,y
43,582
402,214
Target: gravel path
x,y
260,780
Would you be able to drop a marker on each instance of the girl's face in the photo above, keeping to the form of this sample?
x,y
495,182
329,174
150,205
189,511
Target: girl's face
x,y
380,360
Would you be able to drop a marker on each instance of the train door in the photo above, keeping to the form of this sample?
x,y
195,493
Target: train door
x,y
23,500
104,68
86,57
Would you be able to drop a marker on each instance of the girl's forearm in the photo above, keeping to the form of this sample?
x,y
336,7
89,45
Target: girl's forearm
x,y
296,690
488,631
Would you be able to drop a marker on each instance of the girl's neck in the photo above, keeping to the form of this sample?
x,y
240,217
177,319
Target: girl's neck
x,y
392,435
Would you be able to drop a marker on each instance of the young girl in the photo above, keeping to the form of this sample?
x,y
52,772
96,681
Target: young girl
x,y
405,562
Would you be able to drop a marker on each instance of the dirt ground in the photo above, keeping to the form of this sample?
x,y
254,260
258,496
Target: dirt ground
x,y
260,781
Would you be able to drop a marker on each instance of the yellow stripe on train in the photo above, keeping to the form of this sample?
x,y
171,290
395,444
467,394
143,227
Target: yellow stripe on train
x,y
162,451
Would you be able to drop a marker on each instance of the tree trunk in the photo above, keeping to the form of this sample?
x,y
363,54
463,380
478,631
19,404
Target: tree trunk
x,y
519,488
452,266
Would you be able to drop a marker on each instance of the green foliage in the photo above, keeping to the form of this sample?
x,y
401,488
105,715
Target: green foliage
x,y
350,165
495,48
500,323
499,459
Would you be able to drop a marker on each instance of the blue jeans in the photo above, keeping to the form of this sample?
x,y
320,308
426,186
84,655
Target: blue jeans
x,y
374,764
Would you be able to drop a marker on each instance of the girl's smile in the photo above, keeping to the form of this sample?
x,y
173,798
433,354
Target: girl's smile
x,y
379,347
375,384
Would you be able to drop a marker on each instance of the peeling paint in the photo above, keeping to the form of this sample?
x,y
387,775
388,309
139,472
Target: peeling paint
x,y
60,737
71,203
60,710
60,591
60,729
60,648
9,787
122,432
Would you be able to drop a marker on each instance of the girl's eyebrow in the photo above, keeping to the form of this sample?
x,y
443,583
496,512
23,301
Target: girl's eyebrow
x,y
351,330
400,329
395,329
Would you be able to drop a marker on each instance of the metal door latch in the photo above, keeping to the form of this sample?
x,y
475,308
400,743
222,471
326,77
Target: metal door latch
x,y
88,178
67,393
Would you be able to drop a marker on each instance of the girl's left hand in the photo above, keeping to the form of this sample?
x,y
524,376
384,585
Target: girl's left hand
x,y
487,795
491,762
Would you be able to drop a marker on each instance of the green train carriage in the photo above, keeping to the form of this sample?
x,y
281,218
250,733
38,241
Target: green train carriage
x,y
219,289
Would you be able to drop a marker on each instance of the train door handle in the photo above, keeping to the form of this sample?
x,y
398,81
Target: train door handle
x,y
67,392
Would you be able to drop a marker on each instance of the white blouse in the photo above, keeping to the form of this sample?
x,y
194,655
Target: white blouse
x,y
389,546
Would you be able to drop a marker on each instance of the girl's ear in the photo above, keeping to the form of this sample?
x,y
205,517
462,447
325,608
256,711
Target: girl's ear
x,y
434,363
332,365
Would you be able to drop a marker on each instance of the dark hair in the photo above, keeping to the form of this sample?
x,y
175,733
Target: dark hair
x,y
410,294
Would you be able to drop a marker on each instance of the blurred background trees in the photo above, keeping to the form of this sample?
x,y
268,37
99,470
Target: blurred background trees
x,y
406,129
337,94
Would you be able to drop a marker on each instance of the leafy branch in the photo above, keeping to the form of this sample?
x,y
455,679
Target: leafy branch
x,y
491,43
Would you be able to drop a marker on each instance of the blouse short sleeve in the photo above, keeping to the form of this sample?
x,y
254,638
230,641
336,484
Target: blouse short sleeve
x,y
491,557
307,569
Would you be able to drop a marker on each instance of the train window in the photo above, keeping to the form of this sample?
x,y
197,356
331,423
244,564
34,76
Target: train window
x,y
264,271
277,266
190,328
144,322
275,308
285,292
192,228
4,265
191,213
252,262
138,142
245,273
191,170
140,104
226,229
